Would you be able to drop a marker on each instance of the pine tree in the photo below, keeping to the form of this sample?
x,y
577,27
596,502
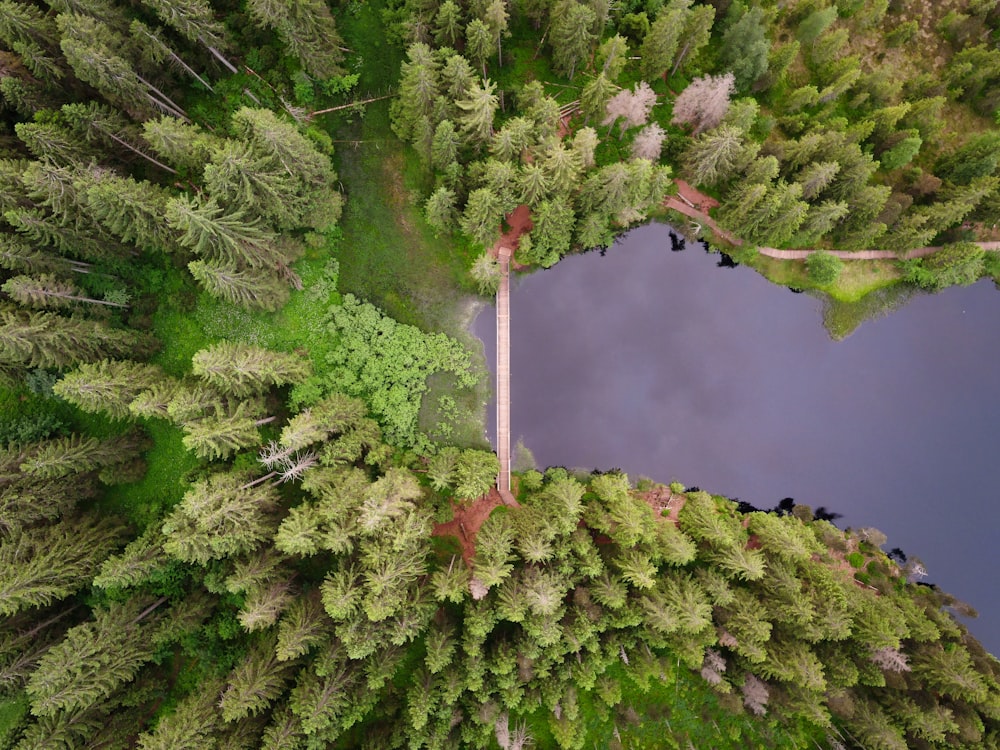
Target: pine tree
x,y
41,565
697,32
244,370
218,517
596,94
135,564
659,46
221,237
570,35
308,30
303,626
242,286
478,42
448,24
243,179
219,435
193,724
132,211
512,139
192,19
182,144
717,155
482,216
60,457
48,291
107,386
256,682
93,660
478,110
440,210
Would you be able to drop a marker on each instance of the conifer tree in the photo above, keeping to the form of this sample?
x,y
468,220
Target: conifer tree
x,y
93,660
109,386
256,682
478,110
570,35
183,145
193,724
60,457
308,30
48,291
221,237
242,286
218,517
219,435
44,564
244,370
482,216
659,46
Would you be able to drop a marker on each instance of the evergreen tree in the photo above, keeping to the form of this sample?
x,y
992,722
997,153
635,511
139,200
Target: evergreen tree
x,y
193,724
242,286
93,660
219,435
44,564
482,216
244,370
256,682
659,47
745,48
697,31
60,457
221,237
219,517
308,30
47,291
107,386
570,35
478,110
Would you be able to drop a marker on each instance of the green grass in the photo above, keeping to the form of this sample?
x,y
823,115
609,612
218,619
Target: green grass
x,y
168,463
12,712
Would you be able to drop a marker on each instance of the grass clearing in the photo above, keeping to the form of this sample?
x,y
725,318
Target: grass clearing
x,y
12,712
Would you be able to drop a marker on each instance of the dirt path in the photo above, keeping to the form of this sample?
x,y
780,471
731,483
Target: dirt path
x,y
689,208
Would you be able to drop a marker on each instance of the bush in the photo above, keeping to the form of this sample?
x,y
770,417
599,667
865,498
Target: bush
x,y
823,268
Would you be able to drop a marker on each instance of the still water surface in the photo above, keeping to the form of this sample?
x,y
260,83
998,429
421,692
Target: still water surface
x,y
664,365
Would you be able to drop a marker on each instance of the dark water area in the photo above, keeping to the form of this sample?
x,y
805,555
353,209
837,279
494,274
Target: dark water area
x,y
665,365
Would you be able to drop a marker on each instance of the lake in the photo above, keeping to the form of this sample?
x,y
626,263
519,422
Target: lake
x,y
665,365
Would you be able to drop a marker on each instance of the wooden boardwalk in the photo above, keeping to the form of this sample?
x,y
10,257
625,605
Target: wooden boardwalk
x,y
503,376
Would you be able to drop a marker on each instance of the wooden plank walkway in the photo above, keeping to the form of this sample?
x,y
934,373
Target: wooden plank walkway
x,y
503,375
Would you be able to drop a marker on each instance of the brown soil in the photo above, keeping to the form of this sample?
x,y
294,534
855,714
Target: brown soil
x,y
518,222
466,521
661,499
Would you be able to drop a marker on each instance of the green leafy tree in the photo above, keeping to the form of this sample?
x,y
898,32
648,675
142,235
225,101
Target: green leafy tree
x,y
823,268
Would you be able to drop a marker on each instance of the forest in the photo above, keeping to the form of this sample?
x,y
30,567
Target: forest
x,y
245,499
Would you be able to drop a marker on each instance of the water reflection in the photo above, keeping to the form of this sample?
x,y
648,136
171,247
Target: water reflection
x,y
657,362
